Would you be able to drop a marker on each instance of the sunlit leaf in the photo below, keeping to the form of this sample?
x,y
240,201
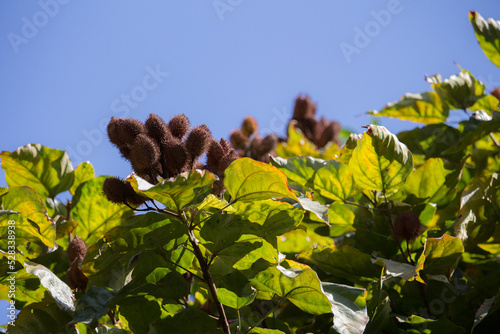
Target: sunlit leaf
x,y
442,254
335,181
48,171
459,91
94,213
300,170
83,172
249,180
345,153
488,35
35,221
427,180
422,325
59,290
344,261
380,161
186,189
422,108
487,103
297,145
235,291
348,307
298,283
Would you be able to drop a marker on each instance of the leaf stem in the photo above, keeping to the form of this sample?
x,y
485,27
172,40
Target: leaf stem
x,y
207,276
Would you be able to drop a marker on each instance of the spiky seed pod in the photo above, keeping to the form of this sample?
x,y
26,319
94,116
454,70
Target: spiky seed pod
x,y
197,141
145,153
269,143
157,129
175,157
308,127
238,139
114,190
75,278
179,126
249,126
225,145
327,131
126,151
130,128
304,108
114,133
215,153
225,162
407,226
77,249
119,191
198,165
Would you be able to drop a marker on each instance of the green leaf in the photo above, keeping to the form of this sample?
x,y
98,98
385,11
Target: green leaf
x,y
296,145
188,188
258,330
335,181
35,220
213,202
42,317
296,282
422,108
488,35
345,153
141,312
480,130
92,306
459,91
190,320
380,161
348,307
48,171
422,325
487,103
314,207
249,180
83,173
235,291
427,181
442,254
300,170
59,290
94,213
344,262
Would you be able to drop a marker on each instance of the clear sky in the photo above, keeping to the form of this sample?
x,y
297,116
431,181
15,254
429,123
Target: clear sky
x,y
67,66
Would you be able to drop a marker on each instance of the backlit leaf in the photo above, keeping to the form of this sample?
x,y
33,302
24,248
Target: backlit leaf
x,y
48,171
380,161
442,254
422,108
335,181
249,180
83,173
488,35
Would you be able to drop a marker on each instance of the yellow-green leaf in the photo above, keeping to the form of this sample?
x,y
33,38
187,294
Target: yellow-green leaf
x,y
83,173
424,108
249,180
380,161
488,35
335,181
48,171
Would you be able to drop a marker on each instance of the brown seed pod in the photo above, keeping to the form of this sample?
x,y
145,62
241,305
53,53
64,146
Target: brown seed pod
x,y
145,153
225,145
126,151
157,129
327,131
175,157
75,277
238,139
407,226
130,128
496,92
197,141
249,126
304,108
77,249
269,143
215,153
119,191
113,132
225,162
179,126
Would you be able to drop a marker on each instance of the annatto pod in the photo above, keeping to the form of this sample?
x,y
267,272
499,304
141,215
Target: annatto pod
x,y
120,192
249,126
197,141
407,226
77,249
179,126
157,129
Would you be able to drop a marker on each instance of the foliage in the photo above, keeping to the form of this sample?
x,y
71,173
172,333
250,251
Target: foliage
x,y
390,233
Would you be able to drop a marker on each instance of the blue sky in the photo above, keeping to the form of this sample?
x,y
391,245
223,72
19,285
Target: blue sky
x,y
67,66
